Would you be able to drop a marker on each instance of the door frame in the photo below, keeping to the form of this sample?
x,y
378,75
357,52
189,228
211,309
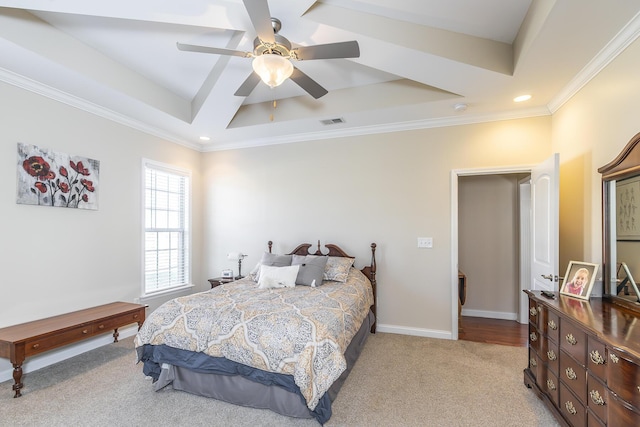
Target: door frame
x,y
455,174
524,201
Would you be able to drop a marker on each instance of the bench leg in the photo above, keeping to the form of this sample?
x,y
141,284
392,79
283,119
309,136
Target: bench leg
x,y
17,378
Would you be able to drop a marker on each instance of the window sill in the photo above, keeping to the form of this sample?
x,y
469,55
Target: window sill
x,y
165,292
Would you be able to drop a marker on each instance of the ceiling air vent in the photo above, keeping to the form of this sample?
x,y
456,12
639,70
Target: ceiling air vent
x,y
332,121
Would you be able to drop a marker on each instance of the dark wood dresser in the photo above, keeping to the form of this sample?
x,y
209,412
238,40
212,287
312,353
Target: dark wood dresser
x,y
584,360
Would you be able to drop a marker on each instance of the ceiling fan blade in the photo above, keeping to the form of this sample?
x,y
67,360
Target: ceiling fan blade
x,y
215,50
261,19
308,84
328,51
249,84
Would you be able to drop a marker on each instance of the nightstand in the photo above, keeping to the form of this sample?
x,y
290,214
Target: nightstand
x,y
217,281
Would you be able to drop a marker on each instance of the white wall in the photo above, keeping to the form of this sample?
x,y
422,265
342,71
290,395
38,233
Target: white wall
x,y
589,131
56,260
389,189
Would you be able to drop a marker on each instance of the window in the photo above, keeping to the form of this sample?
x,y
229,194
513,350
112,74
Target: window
x,y
166,227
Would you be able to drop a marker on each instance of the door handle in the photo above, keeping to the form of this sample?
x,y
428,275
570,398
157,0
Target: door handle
x,y
550,277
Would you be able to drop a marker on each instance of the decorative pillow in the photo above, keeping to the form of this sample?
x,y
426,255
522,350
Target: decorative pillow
x,y
255,272
311,270
278,277
272,260
337,268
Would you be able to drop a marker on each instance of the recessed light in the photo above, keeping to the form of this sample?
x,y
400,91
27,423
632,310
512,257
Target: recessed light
x,y
460,107
204,138
522,98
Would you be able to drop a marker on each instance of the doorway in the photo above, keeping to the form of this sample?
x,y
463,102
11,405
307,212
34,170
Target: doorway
x,y
543,235
489,243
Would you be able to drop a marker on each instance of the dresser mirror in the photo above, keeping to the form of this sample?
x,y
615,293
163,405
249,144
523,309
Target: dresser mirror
x,y
621,226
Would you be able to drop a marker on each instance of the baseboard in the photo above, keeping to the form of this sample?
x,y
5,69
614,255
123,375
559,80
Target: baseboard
x,y
418,332
63,353
490,314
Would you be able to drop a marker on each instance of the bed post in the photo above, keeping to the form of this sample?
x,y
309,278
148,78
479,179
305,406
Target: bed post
x,y
373,286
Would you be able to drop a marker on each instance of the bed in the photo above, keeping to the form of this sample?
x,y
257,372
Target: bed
x,y
263,343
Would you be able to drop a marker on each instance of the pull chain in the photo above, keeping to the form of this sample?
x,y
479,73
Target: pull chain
x,y
274,108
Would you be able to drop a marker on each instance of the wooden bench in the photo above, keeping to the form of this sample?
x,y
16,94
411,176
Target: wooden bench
x,y
28,339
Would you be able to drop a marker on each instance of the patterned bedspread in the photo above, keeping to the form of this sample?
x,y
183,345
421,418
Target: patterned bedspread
x,y
301,331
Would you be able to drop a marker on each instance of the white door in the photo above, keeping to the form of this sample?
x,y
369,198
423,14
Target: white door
x,y
545,199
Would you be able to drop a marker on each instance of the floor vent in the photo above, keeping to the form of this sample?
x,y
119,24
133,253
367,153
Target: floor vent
x,y
332,121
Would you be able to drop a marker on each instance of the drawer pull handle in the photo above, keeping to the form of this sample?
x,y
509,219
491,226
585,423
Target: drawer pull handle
x,y
551,385
570,408
551,355
135,316
85,331
533,363
596,358
101,327
36,346
533,311
571,339
539,309
552,324
614,358
596,398
533,337
571,374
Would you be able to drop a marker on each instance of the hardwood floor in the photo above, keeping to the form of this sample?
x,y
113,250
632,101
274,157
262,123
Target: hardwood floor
x,y
494,331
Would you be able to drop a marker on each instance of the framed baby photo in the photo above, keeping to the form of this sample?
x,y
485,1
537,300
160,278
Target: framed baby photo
x,y
579,279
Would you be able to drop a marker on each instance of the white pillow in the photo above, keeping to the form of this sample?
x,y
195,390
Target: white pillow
x,y
278,277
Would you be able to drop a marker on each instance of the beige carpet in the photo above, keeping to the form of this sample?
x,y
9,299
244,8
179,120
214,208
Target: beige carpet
x,y
398,381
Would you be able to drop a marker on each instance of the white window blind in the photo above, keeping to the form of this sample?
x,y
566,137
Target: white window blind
x,y
166,222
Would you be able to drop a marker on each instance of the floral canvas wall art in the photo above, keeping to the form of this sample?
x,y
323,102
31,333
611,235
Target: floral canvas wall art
x,y
50,178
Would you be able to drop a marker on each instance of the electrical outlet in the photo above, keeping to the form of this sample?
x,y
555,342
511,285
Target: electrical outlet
x,y
425,242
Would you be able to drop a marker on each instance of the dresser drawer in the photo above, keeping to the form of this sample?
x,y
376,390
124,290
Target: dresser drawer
x,y
38,345
117,322
534,312
534,338
550,354
573,375
574,341
593,420
571,407
597,398
623,377
621,414
534,362
551,326
549,384
597,358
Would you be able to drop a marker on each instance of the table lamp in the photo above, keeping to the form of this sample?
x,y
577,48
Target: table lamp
x,y
237,256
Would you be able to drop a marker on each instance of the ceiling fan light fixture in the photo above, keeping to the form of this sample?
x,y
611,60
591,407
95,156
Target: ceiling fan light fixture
x,y
273,69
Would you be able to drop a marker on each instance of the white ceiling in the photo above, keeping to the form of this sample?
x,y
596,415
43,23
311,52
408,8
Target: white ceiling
x,y
418,59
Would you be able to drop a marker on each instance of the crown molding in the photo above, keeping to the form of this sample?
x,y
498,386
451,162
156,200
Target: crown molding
x,y
467,119
619,43
57,95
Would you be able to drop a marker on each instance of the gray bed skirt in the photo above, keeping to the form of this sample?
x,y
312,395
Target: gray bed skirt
x,y
241,385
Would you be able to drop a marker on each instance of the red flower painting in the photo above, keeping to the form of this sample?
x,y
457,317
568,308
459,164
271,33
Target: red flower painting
x,y
54,179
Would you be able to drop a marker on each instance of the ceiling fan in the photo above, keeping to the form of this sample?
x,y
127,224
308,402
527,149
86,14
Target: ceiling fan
x,y
272,53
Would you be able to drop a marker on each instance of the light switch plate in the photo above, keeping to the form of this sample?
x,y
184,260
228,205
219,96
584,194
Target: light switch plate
x,y
425,242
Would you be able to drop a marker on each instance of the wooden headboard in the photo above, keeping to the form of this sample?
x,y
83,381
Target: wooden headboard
x,y
335,250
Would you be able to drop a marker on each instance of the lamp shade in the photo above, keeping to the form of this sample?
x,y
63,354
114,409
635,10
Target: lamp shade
x,y
235,256
273,69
